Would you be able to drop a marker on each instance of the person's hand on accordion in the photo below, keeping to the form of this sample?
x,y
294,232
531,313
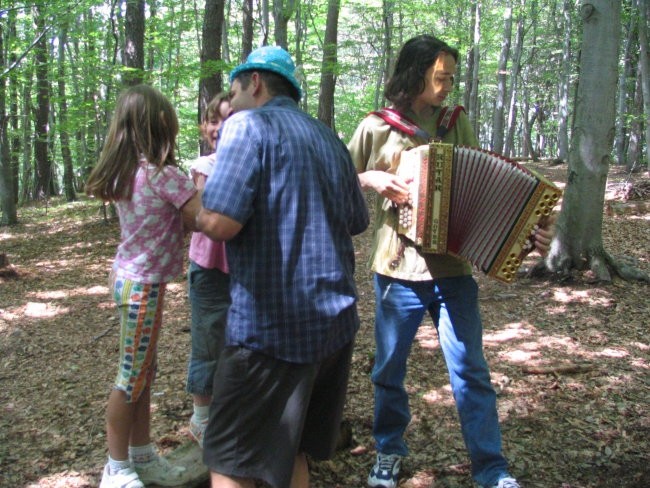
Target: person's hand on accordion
x,y
390,186
544,235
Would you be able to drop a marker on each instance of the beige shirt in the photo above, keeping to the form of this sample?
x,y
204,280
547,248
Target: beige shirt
x,y
372,147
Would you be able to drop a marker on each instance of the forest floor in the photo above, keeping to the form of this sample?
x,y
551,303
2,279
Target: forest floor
x,y
570,361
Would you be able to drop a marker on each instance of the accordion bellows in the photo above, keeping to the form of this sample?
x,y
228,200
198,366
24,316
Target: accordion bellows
x,y
475,204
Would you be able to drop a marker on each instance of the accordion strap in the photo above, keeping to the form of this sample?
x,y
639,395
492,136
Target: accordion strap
x,y
394,118
447,119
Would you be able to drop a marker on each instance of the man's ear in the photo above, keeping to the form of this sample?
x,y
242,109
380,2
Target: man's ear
x,y
256,80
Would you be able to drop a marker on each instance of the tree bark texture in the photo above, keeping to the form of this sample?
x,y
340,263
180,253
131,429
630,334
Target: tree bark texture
x,y
578,242
329,66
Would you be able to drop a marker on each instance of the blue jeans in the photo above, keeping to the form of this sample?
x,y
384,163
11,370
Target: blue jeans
x,y
209,291
453,305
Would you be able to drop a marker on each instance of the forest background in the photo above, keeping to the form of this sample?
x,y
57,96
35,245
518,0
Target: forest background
x,y
62,64
536,77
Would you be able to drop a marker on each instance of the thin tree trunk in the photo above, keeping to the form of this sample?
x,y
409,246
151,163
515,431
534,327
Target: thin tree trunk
x,y
134,43
329,66
41,154
501,95
473,105
68,170
283,10
564,83
247,28
626,74
644,64
210,83
8,212
514,84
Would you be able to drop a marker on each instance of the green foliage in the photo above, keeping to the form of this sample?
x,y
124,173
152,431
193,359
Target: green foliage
x,y
94,72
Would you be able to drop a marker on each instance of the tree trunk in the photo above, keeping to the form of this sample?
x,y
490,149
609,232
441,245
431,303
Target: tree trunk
x,y
8,211
644,65
472,107
14,115
28,179
514,84
387,51
564,84
247,29
134,43
68,170
501,95
210,83
635,132
626,74
329,66
578,242
43,162
283,10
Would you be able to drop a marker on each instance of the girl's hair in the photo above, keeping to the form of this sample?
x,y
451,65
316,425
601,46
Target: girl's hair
x,y
415,58
144,126
212,110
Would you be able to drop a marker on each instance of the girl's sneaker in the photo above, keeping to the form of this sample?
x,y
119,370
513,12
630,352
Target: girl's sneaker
x,y
161,472
197,430
125,478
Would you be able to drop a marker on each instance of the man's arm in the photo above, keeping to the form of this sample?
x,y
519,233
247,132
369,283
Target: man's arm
x,y
216,226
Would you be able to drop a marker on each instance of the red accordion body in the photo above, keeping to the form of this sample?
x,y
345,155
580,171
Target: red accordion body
x,y
474,204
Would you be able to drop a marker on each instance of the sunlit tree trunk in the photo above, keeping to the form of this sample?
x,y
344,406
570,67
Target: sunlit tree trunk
x,y
472,105
622,103
635,131
578,242
329,66
501,95
388,8
514,88
644,66
563,86
8,214
64,137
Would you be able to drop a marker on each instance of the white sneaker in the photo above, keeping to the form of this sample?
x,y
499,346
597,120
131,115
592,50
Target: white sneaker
x,y
161,472
198,431
507,483
385,472
125,478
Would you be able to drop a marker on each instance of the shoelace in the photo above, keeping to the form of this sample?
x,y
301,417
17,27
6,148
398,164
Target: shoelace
x,y
386,463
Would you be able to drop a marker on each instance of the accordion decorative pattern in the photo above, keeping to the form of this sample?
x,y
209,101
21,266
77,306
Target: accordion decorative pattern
x,y
475,204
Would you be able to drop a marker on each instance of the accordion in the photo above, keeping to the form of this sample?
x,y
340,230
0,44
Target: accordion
x,y
474,204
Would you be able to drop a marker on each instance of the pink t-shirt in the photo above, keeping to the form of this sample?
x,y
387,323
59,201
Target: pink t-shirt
x,y
151,250
204,251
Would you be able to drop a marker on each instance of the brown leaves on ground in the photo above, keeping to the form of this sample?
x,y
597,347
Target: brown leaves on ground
x,y
570,363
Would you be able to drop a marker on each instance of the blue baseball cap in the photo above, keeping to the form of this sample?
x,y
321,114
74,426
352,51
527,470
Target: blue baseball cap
x,y
270,58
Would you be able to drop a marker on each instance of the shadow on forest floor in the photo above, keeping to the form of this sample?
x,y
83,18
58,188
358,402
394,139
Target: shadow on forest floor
x,y
570,362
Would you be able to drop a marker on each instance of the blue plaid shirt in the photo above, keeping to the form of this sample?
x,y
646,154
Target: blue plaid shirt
x,y
289,180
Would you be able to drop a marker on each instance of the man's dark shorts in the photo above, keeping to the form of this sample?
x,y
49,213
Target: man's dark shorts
x,y
265,411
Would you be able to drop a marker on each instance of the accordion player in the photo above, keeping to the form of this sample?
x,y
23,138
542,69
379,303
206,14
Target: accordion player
x,y
474,204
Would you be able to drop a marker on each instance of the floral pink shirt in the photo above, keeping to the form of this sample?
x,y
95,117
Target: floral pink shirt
x,y
151,250
204,251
